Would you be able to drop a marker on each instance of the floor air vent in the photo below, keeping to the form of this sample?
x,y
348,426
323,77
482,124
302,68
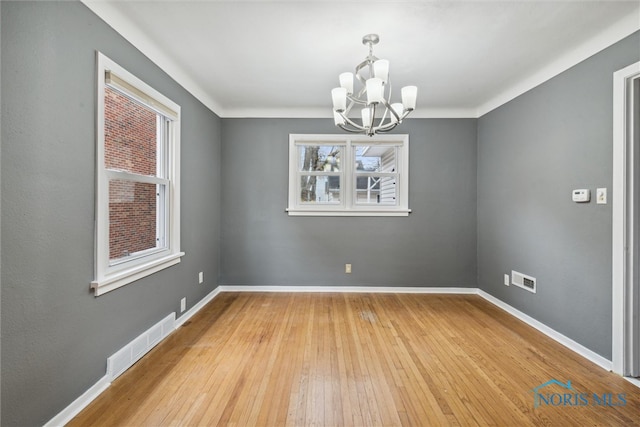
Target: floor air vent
x,y
523,281
132,352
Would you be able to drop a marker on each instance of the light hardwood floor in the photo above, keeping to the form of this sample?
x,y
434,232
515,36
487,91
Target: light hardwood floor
x,y
285,359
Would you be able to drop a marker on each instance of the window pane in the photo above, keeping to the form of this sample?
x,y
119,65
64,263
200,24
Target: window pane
x,y
132,217
319,189
376,158
130,135
376,190
325,158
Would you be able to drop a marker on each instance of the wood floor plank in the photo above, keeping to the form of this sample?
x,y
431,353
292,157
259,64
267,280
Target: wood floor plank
x,y
286,359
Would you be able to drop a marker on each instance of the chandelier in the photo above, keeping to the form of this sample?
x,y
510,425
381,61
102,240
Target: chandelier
x,y
378,113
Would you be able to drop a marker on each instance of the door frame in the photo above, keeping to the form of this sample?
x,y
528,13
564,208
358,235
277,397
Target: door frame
x,y
623,274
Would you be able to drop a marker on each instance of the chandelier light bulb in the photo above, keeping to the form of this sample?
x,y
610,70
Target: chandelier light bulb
x,y
339,96
346,81
366,117
409,95
375,91
381,70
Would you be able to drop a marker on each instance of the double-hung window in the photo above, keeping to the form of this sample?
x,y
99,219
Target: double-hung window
x,y
137,179
337,175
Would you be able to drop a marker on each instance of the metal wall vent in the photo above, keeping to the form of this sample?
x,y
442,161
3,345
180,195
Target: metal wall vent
x,y
132,352
523,281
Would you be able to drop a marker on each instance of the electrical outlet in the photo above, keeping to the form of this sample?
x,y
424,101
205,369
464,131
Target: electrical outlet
x,y
506,280
201,277
347,268
183,304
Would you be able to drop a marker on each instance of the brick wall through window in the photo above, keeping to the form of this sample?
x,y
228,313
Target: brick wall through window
x,y
130,145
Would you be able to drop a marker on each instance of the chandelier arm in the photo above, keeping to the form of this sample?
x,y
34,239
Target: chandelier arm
x,y
386,129
362,81
400,116
382,127
359,97
368,62
349,107
352,123
356,130
387,100
384,115
346,111
390,125
373,115
387,107
355,100
371,128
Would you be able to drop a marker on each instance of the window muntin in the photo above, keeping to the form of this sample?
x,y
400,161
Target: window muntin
x,y
137,197
353,176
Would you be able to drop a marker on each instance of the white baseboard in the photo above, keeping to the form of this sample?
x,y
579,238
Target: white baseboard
x,y
552,333
124,358
634,381
88,396
196,308
80,403
349,289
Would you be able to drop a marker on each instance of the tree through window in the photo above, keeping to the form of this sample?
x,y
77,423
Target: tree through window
x,y
335,175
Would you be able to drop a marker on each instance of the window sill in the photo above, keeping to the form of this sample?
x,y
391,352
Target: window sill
x,y
112,281
352,212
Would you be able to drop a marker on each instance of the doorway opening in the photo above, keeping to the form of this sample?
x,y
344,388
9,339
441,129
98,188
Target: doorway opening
x,y
626,222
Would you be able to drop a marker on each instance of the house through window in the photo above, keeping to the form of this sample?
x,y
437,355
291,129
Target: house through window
x,y
351,176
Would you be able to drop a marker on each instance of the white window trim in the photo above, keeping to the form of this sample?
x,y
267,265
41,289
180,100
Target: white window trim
x,y
347,207
109,276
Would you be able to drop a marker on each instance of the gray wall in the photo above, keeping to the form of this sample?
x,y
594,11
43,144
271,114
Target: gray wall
x,y
488,196
56,335
434,246
532,152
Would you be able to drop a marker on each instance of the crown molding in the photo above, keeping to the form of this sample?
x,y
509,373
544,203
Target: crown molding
x,y
125,27
613,34
325,113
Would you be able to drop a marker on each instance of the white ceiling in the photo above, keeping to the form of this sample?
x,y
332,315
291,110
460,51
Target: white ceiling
x,y
282,58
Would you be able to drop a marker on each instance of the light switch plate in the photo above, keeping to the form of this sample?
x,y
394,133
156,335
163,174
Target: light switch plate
x,y
601,196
